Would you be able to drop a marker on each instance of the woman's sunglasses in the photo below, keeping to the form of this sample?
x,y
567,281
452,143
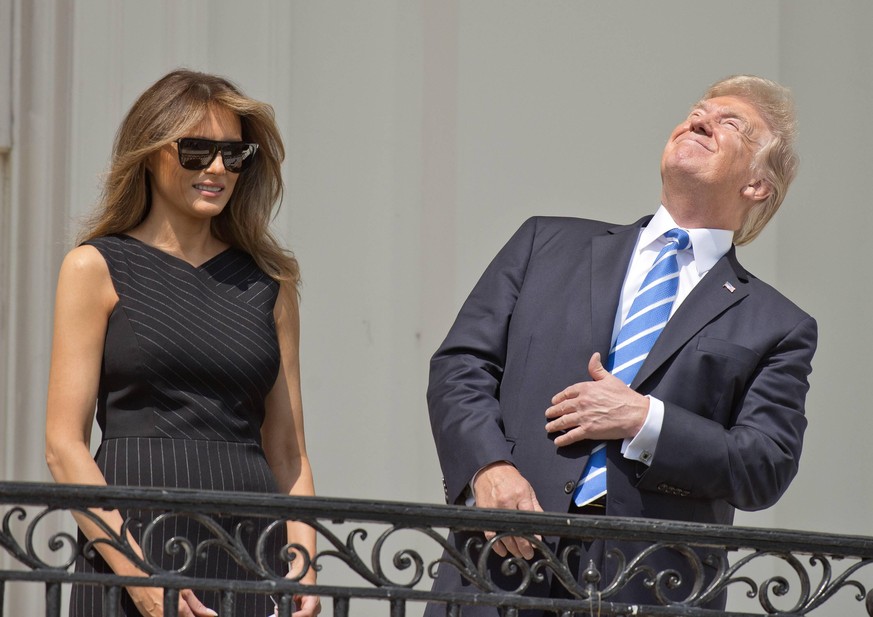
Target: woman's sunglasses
x,y
196,153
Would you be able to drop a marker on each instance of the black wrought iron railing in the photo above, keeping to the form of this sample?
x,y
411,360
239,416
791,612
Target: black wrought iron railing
x,y
389,553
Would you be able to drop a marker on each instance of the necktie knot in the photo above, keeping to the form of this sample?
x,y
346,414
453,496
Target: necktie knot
x,y
679,237
650,309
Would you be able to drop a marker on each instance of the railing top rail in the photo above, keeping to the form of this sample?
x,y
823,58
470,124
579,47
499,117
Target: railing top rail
x,y
414,514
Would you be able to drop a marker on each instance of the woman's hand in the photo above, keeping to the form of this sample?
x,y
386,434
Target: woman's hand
x,y
307,606
149,602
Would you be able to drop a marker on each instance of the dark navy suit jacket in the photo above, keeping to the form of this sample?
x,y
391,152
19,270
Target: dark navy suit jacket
x,y
731,367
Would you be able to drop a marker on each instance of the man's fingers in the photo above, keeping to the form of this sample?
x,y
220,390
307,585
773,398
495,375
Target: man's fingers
x,y
597,371
566,394
560,409
525,548
511,545
499,547
536,508
571,436
517,546
502,486
562,423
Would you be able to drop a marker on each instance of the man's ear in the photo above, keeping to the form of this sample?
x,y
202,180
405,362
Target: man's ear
x,y
757,190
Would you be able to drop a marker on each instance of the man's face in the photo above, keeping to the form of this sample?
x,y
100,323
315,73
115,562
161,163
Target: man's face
x,y
716,144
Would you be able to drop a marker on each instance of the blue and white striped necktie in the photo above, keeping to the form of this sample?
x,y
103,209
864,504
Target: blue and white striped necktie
x,y
646,319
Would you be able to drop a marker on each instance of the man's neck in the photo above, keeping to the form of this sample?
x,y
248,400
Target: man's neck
x,y
698,208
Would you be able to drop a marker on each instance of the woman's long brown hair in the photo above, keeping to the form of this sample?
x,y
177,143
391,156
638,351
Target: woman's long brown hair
x,y
168,110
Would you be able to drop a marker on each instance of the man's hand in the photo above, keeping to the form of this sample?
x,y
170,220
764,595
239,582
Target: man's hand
x,y
500,485
601,409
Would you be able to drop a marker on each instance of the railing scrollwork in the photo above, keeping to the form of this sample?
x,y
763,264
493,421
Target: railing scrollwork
x,y
713,559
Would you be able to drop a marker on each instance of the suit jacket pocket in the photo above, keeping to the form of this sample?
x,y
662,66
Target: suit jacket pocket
x,y
723,370
726,348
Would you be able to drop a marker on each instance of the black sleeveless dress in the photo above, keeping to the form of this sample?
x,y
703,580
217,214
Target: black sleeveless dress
x,y
190,355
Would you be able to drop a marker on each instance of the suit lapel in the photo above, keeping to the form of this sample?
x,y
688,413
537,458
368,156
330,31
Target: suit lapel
x,y
722,287
610,256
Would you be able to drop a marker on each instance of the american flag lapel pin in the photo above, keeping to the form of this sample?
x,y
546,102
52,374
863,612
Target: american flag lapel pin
x,y
729,287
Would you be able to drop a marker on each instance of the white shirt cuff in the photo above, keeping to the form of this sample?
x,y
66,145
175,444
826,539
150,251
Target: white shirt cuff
x,y
642,446
470,499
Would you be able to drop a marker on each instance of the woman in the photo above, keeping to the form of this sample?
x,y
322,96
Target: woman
x,y
177,318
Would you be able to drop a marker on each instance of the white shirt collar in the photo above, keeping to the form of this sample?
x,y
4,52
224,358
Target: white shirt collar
x,y
708,245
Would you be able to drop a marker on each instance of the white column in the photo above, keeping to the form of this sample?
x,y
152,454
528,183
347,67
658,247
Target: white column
x,y
34,209
5,75
5,201
35,237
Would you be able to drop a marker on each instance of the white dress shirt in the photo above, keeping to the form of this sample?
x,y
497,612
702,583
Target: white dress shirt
x,y
707,247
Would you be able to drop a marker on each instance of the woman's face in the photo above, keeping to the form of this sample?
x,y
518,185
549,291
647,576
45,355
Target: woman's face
x,y
199,194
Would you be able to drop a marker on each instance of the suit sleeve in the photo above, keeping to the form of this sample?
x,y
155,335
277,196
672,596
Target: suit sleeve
x,y
465,373
750,462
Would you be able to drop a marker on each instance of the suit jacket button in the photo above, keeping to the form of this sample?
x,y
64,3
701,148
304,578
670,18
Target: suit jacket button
x,y
569,486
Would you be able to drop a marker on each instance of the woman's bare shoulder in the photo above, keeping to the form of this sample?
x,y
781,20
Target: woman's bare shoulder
x,y
84,262
85,273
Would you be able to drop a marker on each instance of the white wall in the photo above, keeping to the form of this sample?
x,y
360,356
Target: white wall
x,y
420,133
823,257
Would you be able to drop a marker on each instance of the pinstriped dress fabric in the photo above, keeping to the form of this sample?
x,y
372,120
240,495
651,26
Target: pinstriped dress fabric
x,y
190,355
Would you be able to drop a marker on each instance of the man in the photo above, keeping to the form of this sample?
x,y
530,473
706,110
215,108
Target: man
x,y
552,391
